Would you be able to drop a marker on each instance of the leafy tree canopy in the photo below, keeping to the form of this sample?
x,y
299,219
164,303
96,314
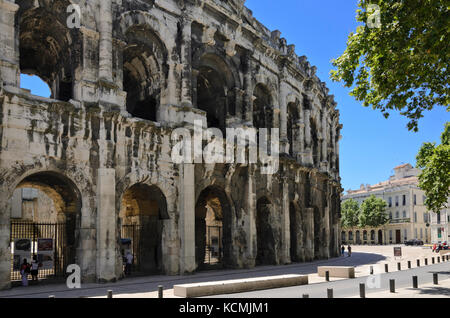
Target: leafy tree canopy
x,y
349,213
435,177
401,65
373,212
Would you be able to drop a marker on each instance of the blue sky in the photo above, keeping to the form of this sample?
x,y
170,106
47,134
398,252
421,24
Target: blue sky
x,y
371,145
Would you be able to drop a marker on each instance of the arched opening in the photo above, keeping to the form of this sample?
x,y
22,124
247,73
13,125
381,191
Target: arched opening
x,y
350,236
266,253
365,236
144,69
294,224
36,85
142,214
46,45
215,91
45,217
380,237
262,107
358,237
293,117
213,243
372,236
318,232
343,237
314,142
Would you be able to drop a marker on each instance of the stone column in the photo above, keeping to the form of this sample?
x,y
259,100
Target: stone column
x,y
248,87
187,218
309,220
106,225
285,223
5,248
284,147
251,222
9,45
105,45
186,61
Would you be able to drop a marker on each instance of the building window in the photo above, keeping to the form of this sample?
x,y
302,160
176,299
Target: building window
x,y
397,215
404,200
415,233
425,217
390,235
396,201
390,215
415,199
404,214
438,215
439,233
415,217
421,233
405,233
390,202
426,234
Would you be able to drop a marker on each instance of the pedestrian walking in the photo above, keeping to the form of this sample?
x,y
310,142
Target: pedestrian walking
x,y
35,268
24,271
349,248
343,250
128,264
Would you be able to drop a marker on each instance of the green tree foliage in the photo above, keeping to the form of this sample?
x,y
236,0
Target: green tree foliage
x,y
435,177
403,64
373,212
349,213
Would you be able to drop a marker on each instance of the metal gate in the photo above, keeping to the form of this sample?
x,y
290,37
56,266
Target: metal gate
x,y
35,231
214,249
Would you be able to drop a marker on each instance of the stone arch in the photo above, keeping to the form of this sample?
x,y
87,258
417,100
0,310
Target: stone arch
x,y
67,200
216,81
263,111
293,117
266,247
47,47
145,68
213,228
142,214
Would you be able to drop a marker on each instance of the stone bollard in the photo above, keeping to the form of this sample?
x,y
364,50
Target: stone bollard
x,y
327,276
435,278
399,266
392,285
109,294
362,290
330,292
386,268
160,291
415,282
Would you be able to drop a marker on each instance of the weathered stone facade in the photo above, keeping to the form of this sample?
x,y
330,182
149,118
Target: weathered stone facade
x,y
100,147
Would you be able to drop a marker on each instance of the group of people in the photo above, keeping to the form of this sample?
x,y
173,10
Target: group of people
x,y
349,249
27,269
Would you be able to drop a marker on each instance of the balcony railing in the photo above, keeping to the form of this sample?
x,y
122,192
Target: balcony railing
x,y
403,220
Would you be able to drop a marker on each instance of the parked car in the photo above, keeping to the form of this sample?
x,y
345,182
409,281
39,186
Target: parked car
x,y
414,242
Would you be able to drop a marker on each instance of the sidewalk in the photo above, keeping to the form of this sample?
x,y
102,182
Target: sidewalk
x,y
442,290
361,258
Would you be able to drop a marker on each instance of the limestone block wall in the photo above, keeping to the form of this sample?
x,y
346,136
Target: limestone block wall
x,y
121,82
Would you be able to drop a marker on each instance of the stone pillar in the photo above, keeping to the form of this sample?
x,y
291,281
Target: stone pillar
x,y
5,248
285,224
187,218
284,89
307,153
251,222
106,225
105,45
9,50
186,61
248,87
309,220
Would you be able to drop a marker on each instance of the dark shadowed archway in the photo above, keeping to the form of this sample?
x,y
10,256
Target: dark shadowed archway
x,y
266,254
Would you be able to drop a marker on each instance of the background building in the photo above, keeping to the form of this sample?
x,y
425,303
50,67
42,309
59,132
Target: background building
x,y
408,216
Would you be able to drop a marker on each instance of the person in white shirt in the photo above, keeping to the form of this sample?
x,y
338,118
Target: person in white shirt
x,y
129,258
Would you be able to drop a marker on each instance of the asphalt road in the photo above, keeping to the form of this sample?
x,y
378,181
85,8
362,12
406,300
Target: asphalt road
x,y
350,287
